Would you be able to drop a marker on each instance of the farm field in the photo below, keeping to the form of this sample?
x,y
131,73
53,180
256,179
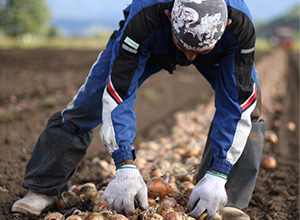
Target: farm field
x,y
36,83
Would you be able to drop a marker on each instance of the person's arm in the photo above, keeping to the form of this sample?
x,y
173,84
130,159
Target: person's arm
x,y
119,122
131,53
235,99
235,95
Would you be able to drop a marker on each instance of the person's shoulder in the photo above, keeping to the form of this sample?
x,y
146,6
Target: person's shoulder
x,y
149,3
151,8
238,7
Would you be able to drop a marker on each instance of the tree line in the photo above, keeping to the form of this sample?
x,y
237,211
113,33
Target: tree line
x,y
20,17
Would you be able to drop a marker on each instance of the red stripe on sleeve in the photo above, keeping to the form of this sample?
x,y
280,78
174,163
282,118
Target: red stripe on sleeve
x,y
250,100
113,92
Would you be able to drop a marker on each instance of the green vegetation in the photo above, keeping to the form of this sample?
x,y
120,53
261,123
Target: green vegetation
x,y
49,102
9,117
62,43
149,95
24,17
290,19
263,45
26,24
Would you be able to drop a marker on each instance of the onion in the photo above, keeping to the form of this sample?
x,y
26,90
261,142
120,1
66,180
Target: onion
x,y
182,199
94,216
191,152
189,218
291,126
106,214
74,217
216,217
187,188
54,216
98,199
87,192
163,209
169,201
157,187
118,217
269,163
67,199
101,206
153,216
152,203
271,137
145,174
173,216
156,173
179,208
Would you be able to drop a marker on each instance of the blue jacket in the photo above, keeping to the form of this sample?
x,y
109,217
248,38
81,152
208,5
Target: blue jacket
x,y
144,45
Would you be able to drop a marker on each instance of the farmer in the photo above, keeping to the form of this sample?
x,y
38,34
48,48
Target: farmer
x,y
215,36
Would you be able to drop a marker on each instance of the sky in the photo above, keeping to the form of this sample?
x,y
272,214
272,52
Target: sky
x,y
111,10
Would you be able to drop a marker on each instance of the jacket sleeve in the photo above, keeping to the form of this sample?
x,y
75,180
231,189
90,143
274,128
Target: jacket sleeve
x,y
130,55
119,122
235,93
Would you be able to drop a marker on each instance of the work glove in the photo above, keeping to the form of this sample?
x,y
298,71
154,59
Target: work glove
x,y
208,195
122,191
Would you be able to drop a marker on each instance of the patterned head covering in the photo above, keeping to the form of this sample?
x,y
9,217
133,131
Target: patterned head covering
x,y
198,24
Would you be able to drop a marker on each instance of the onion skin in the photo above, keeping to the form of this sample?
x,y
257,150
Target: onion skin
x,y
173,216
168,200
67,199
118,217
269,163
101,206
218,216
291,126
163,209
74,217
157,187
106,214
94,216
87,192
153,216
54,216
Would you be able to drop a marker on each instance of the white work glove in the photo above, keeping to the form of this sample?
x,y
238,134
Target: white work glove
x,y
128,185
208,195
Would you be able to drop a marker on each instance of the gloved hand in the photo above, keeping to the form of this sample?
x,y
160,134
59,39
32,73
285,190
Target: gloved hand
x,y
120,193
208,195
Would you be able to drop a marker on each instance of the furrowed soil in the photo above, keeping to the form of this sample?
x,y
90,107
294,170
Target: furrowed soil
x,y
34,84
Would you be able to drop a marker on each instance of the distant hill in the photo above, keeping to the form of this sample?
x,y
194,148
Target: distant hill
x,y
82,28
291,20
91,26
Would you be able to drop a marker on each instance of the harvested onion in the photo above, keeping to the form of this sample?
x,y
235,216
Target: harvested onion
x,y
163,209
269,163
216,217
94,216
118,217
169,201
74,217
291,126
153,216
157,187
173,216
87,192
54,216
67,199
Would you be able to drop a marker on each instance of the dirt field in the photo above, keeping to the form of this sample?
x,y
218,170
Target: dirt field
x,y
36,83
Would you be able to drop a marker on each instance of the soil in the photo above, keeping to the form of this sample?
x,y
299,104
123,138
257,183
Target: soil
x,y
36,83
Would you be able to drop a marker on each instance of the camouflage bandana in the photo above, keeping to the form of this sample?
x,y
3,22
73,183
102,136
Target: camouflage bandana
x,y
198,24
